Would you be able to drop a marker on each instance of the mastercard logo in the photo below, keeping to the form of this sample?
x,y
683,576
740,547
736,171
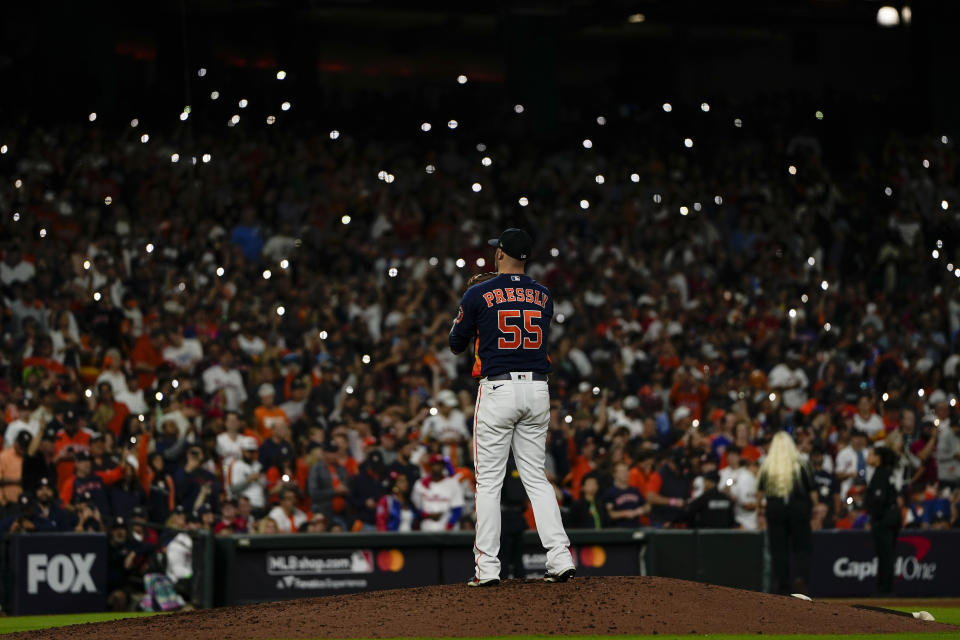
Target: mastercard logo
x,y
593,556
390,560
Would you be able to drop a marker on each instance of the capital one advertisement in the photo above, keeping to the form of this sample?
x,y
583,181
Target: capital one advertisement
x,y
283,574
844,563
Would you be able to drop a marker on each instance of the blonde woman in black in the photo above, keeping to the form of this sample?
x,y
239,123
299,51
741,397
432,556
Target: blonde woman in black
x,y
786,493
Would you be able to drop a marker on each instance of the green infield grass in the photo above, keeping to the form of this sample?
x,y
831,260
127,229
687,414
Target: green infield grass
x,y
11,624
949,615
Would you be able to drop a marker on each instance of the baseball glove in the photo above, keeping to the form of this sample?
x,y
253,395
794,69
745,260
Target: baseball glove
x,y
477,278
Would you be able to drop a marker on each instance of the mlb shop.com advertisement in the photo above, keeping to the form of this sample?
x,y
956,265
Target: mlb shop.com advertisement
x,y
281,574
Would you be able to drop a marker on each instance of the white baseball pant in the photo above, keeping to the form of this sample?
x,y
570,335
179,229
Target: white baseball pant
x,y
514,414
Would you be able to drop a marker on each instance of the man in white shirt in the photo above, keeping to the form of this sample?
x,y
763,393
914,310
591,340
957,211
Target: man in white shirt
x,y
230,442
438,498
132,396
286,515
183,352
223,377
791,381
449,425
14,268
743,491
866,419
244,476
852,462
113,374
948,447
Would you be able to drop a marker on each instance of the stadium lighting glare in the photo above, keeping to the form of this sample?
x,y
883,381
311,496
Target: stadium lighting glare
x,y
281,74
285,106
634,177
214,95
688,142
461,79
486,161
108,201
523,201
792,170
206,158
601,120
554,252
944,205
392,272
888,17
92,116
667,107
926,163
718,200
243,103
684,210
334,134
201,72
481,262
461,263
518,108
452,124
426,126
430,168
584,204
657,198
134,123
271,119
588,144
738,123
636,18
476,187
887,191
3,149
175,157
818,115
220,272
705,107
600,179
906,15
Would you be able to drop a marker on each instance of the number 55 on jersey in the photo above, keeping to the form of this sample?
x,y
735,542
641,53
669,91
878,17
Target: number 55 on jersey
x,y
507,317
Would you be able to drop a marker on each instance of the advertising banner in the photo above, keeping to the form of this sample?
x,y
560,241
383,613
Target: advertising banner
x,y
59,573
844,564
590,559
261,574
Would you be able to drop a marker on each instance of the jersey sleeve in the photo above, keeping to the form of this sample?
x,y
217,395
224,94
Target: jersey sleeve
x,y
465,325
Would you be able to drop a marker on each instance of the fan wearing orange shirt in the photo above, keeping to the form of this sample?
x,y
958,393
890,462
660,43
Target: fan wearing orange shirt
x,y
582,465
268,415
687,393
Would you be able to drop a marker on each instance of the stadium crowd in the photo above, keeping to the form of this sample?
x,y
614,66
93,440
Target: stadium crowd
x,y
255,341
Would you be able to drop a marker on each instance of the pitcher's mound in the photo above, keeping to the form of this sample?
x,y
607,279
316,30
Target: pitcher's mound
x,y
583,606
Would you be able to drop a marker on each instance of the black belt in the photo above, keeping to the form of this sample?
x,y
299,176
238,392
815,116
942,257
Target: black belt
x,y
538,377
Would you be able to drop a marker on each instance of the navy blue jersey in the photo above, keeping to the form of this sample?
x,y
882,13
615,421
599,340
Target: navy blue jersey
x,y
507,320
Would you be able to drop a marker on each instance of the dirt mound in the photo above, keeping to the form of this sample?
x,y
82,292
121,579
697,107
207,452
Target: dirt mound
x,y
604,606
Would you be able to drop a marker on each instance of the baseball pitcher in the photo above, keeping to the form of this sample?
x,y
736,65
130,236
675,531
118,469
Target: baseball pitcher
x,y
506,316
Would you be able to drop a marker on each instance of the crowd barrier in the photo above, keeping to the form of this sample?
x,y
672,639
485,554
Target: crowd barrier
x,y
66,573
